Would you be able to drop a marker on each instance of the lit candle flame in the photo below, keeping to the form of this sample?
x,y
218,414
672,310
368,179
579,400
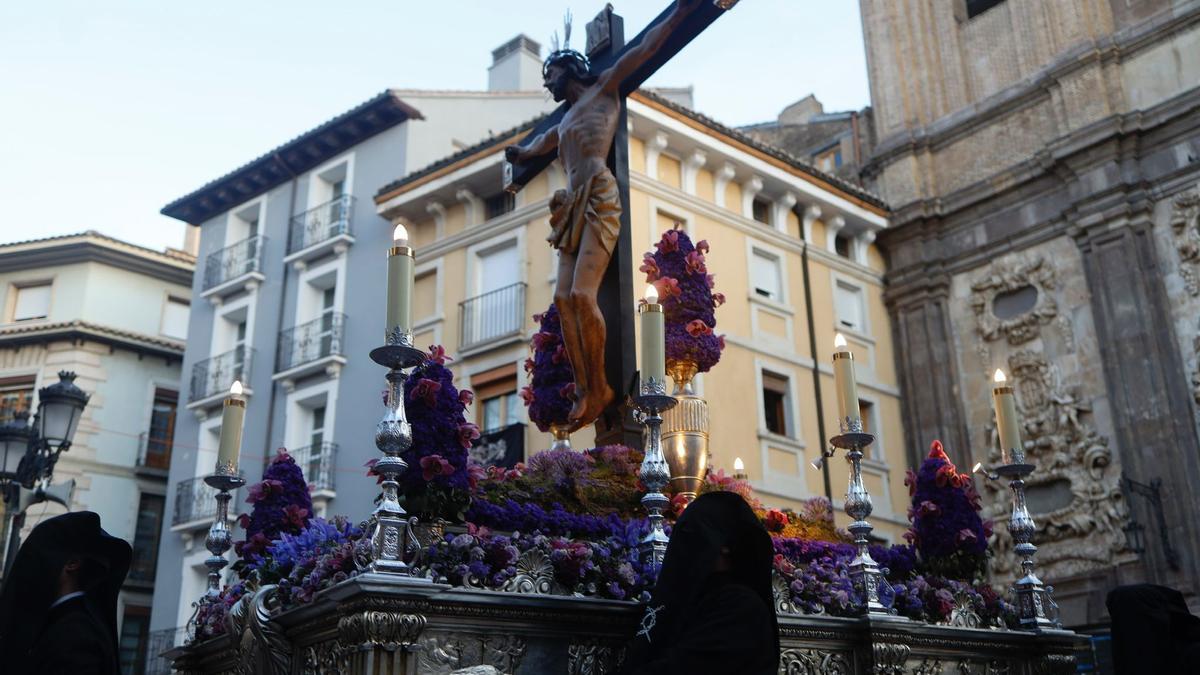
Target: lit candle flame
x,y
816,463
839,341
738,465
236,389
400,235
651,295
999,377
978,466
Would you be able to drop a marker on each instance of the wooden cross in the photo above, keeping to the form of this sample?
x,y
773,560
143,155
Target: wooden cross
x,y
605,45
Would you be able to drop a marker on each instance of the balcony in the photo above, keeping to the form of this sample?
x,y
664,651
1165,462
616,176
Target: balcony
x,y
320,231
196,504
154,455
310,348
212,377
491,319
234,268
159,642
317,462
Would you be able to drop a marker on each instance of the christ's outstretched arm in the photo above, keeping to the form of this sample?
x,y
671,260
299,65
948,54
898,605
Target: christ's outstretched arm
x,y
610,80
544,143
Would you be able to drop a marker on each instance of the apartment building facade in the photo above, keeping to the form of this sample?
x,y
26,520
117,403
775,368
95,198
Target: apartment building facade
x,y
117,315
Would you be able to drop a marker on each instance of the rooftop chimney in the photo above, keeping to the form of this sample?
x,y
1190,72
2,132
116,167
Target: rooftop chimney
x,y
801,111
516,66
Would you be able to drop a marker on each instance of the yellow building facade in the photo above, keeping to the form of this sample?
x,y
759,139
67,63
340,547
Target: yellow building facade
x,y
791,249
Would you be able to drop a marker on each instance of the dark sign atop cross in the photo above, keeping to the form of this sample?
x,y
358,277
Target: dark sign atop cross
x,y
589,222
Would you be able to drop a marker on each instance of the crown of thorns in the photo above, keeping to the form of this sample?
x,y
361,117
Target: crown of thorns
x,y
563,54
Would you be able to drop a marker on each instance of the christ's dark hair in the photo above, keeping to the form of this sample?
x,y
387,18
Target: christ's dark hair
x,y
576,65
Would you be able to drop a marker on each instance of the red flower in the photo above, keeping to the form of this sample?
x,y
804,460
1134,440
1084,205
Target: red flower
x,y
910,479
711,280
927,508
667,287
435,465
263,490
466,396
776,520
437,354
697,327
542,340
537,318
935,450
702,246
987,528
426,389
475,473
567,391
559,355
945,475
527,394
695,263
678,504
295,516
529,365
669,242
965,535
467,432
718,299
650,267
721,342
910,537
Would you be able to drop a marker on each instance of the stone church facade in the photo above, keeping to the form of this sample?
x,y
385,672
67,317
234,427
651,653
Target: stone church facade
x,y
1043,163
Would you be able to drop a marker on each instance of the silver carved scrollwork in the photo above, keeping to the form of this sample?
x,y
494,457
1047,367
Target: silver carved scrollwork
x,y
534,574
261,645
1185,224
963,614
782,593
889,658
813,662
327,658
1074,462
390,630
593,657
928,666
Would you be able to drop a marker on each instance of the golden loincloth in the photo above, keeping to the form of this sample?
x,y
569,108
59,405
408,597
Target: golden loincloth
x,y
595,207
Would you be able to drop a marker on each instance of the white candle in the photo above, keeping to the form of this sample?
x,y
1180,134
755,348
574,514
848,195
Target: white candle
x,y
399,281
844,382
232,419
739,468
654,362
1008,425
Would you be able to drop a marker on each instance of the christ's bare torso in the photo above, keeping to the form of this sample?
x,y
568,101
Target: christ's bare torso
x,y
585,135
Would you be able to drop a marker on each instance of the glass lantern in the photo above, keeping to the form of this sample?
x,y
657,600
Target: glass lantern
x,y
59,408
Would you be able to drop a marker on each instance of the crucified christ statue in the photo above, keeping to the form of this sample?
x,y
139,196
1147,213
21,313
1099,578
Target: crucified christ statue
x,y
585,218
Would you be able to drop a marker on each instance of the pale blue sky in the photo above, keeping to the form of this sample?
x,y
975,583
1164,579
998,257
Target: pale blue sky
x,y
112,109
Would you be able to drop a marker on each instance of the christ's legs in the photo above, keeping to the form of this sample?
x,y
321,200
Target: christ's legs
x,y
568,320
592,261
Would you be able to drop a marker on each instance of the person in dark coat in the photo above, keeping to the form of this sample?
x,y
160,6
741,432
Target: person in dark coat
x,y
58,606
1152,630
712,610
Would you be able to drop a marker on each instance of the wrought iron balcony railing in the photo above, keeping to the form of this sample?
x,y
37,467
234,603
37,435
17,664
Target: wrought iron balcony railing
x,y
233,261
154,452
491,316
320,223
215,375
160,641
310,341
317,462
195,500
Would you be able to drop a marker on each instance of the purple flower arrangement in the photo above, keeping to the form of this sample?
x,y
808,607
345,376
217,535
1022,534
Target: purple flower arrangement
x,y
281,504
440,477
679,273
949,536
551,391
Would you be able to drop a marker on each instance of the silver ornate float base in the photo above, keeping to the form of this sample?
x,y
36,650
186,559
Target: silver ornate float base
x,y
384,623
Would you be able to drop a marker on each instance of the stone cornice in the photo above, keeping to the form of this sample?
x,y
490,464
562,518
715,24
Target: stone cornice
x,y
30,332
95,247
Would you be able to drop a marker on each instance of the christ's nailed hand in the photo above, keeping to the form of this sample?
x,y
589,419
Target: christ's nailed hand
x,y
513,153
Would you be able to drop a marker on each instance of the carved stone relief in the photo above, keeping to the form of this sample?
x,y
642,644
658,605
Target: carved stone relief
x,y
813,662
1075,493
889,658
327,658
594,657
1010,276
390,630
443,652
1185,225
928,666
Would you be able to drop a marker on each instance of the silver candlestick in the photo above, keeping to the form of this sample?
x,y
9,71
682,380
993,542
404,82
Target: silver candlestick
x,y
219,539
865,574
388,527
655,474
1036,608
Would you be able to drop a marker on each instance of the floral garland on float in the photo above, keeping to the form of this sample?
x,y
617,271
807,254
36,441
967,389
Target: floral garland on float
x,y
551,389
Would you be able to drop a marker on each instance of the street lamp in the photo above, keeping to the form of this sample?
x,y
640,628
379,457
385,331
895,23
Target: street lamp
x,y
29,454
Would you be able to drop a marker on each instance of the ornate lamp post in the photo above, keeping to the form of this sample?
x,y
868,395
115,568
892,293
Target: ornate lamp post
x,y
28,454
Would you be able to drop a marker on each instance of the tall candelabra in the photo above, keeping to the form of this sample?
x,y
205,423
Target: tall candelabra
x,y
655,474
1035,605
388,527
865,574
220,539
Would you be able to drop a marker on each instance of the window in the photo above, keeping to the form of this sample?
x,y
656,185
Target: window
x,y
977,7
328,319
316,440
175,318
145,537
848,303
841,245
33,302
760,209
160,437
829,160
135,634
497,403
499,204
774,401
766,277
866,412
16,394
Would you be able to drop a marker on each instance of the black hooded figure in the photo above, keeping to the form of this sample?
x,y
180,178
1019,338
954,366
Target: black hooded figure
x,y
712,610
58,607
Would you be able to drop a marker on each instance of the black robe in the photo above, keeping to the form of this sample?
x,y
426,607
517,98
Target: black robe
x,y
80,634
708,622
1152,631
